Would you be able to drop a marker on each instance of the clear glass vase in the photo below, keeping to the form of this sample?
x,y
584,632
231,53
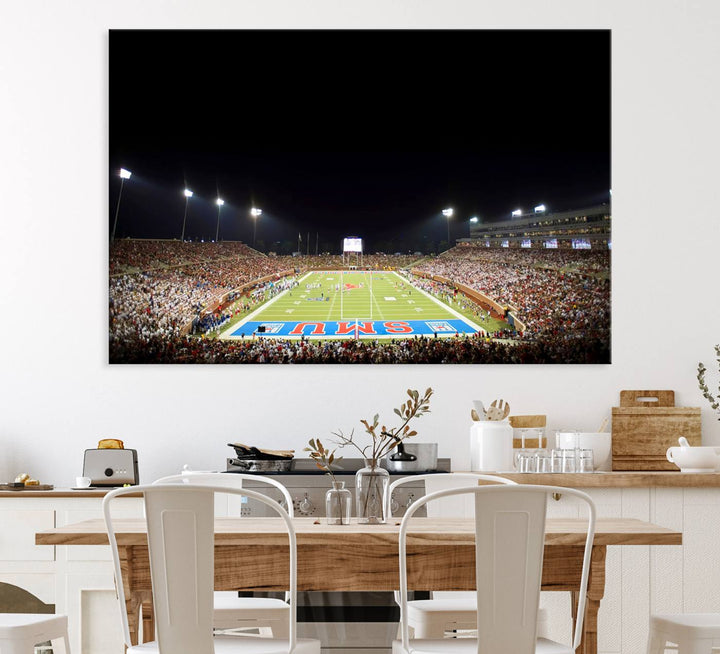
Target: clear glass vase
x,y
371,484
338,503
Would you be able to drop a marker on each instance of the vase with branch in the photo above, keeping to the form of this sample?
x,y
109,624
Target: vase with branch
x,y
338,500
714,400
372,481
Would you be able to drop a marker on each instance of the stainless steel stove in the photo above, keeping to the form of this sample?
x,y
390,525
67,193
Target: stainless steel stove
x,y
345,622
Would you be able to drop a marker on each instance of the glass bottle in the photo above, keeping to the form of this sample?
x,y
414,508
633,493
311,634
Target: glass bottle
x,y
338,502
371,485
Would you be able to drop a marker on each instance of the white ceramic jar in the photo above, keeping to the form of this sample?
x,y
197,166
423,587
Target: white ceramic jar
x,y
491,446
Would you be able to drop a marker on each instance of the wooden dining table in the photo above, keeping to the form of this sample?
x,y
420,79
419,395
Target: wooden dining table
x,y
251,554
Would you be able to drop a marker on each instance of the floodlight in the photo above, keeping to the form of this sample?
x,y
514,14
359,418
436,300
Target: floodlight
x,y
517,212
188,194
474,219
124,174
540,208
255,212
447,212
219,203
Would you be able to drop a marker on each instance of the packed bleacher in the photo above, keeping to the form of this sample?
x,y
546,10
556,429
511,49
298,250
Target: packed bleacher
x,y
160,292
554,293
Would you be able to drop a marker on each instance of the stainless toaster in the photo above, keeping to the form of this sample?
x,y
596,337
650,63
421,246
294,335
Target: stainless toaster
x,y
110,467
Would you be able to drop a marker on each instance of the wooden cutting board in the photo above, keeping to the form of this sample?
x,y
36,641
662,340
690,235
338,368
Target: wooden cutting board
x,y
7,487
528,422
645,425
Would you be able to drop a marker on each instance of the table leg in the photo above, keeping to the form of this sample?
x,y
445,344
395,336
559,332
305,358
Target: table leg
x,y
596,591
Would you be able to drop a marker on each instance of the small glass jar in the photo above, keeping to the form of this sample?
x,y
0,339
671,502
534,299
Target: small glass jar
x,y
338,503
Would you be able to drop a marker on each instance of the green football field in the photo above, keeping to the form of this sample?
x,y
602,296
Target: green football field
x,y
360,304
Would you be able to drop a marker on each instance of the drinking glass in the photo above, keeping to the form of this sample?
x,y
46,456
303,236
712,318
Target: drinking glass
x,y
543,461
517,454
556,456
568,458
526,461
585,462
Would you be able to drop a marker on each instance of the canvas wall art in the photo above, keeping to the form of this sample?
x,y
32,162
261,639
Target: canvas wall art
x,y
359,196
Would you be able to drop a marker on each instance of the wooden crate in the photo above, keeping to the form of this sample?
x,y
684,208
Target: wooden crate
x,y
643,430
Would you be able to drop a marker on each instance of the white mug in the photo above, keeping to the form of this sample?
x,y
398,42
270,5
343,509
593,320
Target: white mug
x,y
82,482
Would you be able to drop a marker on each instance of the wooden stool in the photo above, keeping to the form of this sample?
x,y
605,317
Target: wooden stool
x,y
694,633
20,632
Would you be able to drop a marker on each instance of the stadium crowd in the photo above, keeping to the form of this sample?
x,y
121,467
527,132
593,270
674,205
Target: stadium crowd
x,y
555,293
161,290
422,349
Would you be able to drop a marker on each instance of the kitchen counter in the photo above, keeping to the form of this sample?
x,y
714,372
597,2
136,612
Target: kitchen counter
x,y
641,479
57,493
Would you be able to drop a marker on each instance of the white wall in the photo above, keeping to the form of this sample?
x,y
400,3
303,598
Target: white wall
x,y
58,393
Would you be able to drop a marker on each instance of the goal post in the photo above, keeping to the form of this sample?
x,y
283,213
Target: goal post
x,y
352,250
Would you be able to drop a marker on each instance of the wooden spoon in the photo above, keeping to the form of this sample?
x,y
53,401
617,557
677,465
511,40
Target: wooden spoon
x,y
498,411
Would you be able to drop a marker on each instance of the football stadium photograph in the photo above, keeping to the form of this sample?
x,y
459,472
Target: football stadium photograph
x,y
359,196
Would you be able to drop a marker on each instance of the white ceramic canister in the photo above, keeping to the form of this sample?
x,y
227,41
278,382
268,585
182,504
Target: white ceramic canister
x,y
491,446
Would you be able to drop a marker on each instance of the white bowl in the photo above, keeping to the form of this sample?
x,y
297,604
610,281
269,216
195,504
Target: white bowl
x,y
599,442
695,459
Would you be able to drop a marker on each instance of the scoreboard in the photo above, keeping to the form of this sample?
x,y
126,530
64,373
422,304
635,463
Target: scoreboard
x,y
352,244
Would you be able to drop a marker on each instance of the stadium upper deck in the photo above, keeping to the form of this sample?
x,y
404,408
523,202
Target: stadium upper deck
x,y
588,227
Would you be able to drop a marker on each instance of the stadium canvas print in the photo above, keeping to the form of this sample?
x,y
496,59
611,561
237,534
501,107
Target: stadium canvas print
x,y
359,196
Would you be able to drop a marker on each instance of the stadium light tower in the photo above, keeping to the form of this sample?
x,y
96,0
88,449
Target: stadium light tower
x,y
448,214
188,194
474,219
255,213
516,213
540,208
219,203
124,174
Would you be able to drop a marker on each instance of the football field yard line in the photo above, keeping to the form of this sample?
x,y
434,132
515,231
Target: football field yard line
x,y
365,295
447,307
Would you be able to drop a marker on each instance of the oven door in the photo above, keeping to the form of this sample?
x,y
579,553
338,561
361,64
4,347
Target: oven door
x,y
351,622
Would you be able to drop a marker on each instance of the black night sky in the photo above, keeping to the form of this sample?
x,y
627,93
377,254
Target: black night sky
x,y
353,133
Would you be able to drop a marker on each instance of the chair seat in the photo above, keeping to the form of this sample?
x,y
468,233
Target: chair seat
x,y
468,607
252,606
244,644
702,625
469,646
25,626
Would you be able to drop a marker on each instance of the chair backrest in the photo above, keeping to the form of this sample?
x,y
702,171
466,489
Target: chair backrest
x,y
442,480
230,479
509,545
181,544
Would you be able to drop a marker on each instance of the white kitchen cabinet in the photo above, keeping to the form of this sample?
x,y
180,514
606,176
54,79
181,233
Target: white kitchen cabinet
x,y
78,580
640,579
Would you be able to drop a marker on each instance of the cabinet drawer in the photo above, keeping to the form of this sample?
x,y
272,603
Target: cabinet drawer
x,y
17,537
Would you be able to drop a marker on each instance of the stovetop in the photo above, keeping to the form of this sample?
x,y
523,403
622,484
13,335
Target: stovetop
x,y
345,467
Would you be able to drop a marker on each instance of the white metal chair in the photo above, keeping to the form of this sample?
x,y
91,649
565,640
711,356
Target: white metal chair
x,y
693,633
20,632
450,611
509,545
233,612
180,529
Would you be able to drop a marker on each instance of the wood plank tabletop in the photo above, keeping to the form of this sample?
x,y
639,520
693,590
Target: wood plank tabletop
x,y
313,531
